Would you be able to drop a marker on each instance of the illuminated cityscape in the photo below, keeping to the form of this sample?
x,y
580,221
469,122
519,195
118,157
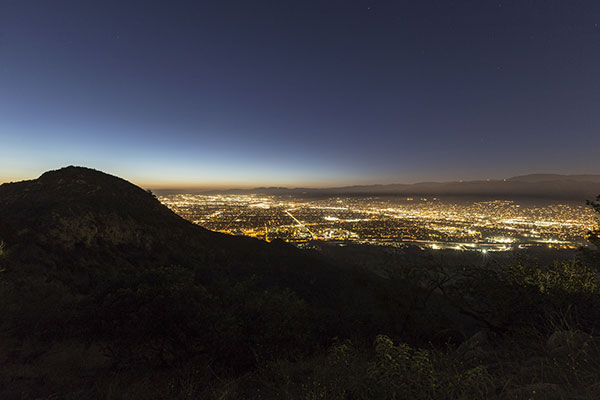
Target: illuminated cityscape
x,y
497,225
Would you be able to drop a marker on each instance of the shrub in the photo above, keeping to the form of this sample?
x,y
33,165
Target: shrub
x,y
594,234
396,371
403,372
507,297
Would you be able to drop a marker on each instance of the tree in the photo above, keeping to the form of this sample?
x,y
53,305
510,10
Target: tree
x,y
594,234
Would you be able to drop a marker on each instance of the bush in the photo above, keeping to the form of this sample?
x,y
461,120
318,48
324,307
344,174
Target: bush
x,y
395,371
508,297
594,234
401,371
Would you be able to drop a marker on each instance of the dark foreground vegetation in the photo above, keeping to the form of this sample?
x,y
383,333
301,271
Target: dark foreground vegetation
x,y
106,294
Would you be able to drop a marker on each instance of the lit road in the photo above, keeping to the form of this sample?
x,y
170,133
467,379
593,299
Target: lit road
x,y
301,224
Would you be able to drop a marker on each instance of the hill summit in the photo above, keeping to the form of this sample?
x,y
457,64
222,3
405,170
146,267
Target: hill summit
x,y
76,206
83,220
92,218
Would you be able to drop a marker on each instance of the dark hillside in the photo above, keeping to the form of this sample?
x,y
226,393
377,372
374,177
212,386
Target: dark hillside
x,y
83,220
77,235
85,211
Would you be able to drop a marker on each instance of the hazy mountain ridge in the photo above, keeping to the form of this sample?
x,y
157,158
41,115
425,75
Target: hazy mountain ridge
x,y
552,186
555,177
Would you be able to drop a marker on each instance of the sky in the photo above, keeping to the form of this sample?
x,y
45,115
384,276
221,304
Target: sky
x,y
299,93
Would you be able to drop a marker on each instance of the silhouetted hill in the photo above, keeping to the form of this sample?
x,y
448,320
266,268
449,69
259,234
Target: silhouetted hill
x,y
81,222
85,236
80,206
92,218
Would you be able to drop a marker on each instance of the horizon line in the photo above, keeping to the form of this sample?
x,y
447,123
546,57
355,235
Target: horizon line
x,y
170,185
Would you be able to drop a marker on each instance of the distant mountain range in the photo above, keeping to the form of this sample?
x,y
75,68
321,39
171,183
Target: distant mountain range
x,y
550,186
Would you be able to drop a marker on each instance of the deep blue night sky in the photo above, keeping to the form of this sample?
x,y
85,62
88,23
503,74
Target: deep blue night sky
x,y
245,93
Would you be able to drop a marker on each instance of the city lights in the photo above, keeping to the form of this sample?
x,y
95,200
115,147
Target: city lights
x,y
487,226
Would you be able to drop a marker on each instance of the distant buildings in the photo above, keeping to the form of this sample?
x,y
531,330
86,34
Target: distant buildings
x,y
429,223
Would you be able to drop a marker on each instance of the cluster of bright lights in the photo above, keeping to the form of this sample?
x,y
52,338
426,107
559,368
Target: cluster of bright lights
x,y
428,223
